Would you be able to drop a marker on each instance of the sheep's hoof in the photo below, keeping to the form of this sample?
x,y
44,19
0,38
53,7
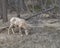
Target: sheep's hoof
x,y
26,33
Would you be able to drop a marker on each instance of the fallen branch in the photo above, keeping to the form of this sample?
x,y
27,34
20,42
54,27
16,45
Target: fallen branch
x,y
46,10
3,28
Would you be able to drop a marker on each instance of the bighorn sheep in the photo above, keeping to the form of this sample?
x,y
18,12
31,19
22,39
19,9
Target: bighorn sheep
x,y
21,23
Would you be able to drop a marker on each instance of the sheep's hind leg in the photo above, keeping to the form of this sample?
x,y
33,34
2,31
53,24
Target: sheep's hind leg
x,y
26,32
20,32
12,30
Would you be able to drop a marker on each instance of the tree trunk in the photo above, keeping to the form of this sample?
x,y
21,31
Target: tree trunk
x,y
18,8
4,7
1,9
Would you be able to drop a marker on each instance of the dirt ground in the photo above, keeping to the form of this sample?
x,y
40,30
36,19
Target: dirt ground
x,y
45,34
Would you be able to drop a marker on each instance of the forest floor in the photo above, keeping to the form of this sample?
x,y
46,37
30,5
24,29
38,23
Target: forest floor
x,y
46,34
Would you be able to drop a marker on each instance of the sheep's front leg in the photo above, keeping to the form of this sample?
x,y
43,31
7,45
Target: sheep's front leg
x,y
10,28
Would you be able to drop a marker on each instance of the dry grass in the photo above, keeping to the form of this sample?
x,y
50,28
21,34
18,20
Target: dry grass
x,y
40,37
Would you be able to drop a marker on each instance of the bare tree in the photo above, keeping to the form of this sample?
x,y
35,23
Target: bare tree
x,y
22,5
27,3
33,6
4,7
18,8
1,9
